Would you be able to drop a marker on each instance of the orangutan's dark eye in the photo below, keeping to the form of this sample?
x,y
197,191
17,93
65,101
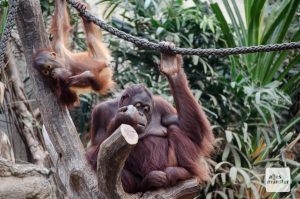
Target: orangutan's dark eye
x,y
45,72
146,109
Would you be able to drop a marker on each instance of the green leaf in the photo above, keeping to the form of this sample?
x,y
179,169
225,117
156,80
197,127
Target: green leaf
x,y
147,4
223,177
280,16
209,196
226,152
278,37
247,8
236,157
159,30
223,24
255,22
235,24
213,179
290,84
220,164
240,21
110,11
233,174
3,18
228,135
293,163
222,194
287,69
245,176
290,124
238,140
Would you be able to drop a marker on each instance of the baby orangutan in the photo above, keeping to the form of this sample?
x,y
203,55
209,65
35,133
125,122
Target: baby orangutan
x,y
69,73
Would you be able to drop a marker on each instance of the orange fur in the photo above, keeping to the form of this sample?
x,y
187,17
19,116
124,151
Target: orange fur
x,y
88,71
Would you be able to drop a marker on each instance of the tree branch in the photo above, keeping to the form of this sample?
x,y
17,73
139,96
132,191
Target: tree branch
x,y
24,181
111,159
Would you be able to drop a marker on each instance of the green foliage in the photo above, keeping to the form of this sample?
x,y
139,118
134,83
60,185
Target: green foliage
x,y
3,3
3,15
261,27
158,21
254,98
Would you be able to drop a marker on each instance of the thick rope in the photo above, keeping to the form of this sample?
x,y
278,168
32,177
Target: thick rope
x,y
10,22
162,47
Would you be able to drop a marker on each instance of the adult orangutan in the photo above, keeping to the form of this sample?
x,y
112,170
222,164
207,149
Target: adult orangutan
x,y
68,73
170,140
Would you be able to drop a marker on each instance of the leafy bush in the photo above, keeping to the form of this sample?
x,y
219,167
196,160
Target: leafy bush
x,y
158,21
256,134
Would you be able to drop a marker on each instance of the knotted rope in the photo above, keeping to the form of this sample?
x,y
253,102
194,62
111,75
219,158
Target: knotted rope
x,y
144,43
10,21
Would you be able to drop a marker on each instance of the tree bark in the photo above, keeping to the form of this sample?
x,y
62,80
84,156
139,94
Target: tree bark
x,y
111,158
24,181
70,159
5,148
8,124
21,109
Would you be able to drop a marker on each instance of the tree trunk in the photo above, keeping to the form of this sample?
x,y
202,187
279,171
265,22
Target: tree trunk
x,y
20,108
69,157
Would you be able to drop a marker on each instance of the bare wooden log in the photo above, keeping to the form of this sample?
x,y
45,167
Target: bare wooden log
x,y
61,130
111,159
24,181
5,148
